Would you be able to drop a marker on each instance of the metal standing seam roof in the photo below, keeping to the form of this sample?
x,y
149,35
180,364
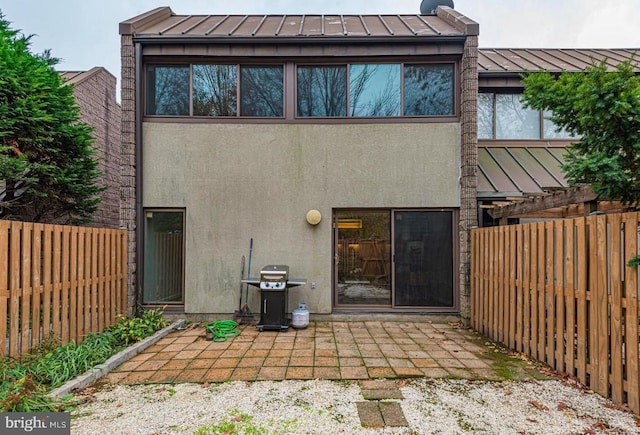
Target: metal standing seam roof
x,y
519,60
163,23
516,170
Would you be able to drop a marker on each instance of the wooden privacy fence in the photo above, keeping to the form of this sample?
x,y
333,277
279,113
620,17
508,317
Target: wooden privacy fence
x,y
561,293
60,280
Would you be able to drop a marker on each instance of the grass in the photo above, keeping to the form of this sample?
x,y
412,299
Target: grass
x,y
236,423
26,382
512,366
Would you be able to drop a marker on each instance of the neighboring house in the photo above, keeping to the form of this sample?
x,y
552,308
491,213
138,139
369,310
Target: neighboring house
x,y
95,93
519,151
236,127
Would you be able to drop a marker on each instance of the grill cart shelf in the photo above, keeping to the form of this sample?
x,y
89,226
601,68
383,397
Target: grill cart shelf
x,y
274,284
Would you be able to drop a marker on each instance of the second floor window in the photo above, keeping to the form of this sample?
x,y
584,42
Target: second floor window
x,y
215,90
503,116
359,90
375,90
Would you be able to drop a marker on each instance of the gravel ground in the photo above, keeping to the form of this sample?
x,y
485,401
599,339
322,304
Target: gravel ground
x,y
328,407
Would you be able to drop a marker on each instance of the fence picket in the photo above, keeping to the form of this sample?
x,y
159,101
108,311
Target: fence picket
x,y
73,282
95,274
79,331
542,269
16,291
36,284
526,290
560,270
569,258
493,282
582,334
592,298
533,287
500,313
549,302
47,278
485,282
616,306
25,286
631,312
101,286
57,281
86,314
519,293
602,307
5,295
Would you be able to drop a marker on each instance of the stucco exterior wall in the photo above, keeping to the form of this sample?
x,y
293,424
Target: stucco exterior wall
x,y
243,181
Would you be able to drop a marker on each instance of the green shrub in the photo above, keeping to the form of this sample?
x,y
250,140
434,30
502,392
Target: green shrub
x,y
25,382
130,330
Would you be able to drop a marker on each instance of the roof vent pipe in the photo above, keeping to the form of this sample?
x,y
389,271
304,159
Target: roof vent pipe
x,y
428,7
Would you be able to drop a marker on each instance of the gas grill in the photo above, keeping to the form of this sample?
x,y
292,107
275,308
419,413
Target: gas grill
x,y
274,284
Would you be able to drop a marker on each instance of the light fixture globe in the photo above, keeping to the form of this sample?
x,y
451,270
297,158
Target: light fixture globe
x,y
314,217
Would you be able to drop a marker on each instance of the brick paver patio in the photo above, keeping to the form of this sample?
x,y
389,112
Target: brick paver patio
x,y
324,350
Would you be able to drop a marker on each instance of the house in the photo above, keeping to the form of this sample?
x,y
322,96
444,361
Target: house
x,y
95,94
341,146
519,150
359,150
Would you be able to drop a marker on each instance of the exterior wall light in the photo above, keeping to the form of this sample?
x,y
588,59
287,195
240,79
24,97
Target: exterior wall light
x,y
314,217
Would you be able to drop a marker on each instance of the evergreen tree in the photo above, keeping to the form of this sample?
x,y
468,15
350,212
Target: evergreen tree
x,y
602,109
48,172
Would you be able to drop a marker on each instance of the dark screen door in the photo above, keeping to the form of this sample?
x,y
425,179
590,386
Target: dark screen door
x,y
423,248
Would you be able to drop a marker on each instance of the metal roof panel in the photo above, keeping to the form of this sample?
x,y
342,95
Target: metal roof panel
x,y
551,163
517,61
162,22
509,168
534,168
494,172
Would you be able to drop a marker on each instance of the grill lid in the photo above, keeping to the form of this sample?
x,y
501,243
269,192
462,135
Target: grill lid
x,y
274,273
274,277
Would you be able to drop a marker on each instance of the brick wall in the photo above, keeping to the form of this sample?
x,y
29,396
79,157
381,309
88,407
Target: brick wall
x,y
469,169
128,187
95,93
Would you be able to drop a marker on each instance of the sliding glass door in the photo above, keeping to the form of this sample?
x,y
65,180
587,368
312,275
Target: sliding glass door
x,y
363,258
394,259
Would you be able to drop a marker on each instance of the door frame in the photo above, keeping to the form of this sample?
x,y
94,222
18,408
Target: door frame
x,y
174,305
455,217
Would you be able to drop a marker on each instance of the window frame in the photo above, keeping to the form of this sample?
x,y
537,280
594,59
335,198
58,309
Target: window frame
x,y
238,72
289,115
541,119
402,64
142,265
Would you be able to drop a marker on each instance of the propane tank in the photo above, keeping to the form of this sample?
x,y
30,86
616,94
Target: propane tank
x,y
300,316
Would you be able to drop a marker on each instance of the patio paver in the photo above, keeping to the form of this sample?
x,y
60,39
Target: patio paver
x,y
325,350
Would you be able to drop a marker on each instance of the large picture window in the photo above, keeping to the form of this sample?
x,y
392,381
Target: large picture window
x,y
375,90
428,90
168,90
261,91
322,91
215,90
503,116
